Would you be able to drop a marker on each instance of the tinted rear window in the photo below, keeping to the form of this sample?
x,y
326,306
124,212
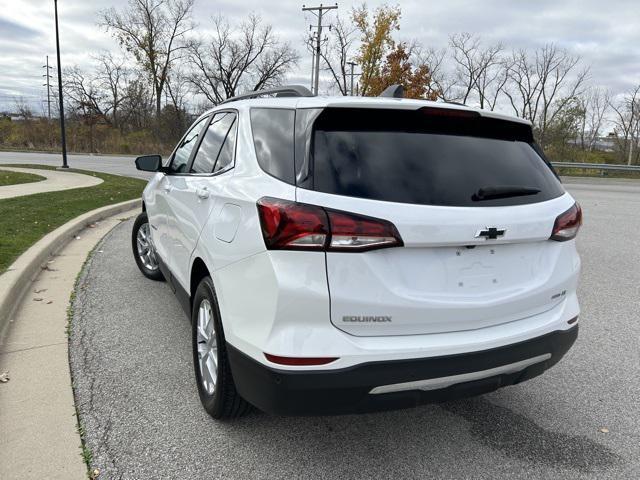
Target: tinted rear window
x,y
273,141
426,157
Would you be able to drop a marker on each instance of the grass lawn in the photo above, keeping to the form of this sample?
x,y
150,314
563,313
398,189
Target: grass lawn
x,y
15,178
25,220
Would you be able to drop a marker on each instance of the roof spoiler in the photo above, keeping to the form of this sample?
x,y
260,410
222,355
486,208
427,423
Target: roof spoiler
x,y
393,91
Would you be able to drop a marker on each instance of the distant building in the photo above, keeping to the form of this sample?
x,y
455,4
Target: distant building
x,y
605,144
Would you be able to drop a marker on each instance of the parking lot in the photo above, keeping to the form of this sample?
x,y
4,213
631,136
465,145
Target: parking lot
x,y
131,362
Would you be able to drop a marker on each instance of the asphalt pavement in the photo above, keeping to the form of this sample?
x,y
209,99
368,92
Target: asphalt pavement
x,y
131,362
117,165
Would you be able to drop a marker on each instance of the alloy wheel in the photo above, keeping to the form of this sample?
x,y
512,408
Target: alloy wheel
x,y
207,347
146,249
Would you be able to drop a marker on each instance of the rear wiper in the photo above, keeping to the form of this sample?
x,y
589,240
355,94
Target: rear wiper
x,y
503,191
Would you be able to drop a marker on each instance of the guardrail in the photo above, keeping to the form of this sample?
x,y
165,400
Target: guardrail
x,y
598,166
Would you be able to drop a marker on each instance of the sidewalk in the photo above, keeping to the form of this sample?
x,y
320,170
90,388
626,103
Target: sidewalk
x,y
37,414
55,180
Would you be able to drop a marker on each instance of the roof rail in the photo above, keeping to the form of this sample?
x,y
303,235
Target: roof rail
x,y
283,91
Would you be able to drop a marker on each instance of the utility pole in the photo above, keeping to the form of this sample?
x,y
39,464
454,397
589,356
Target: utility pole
x,y
48,87
352,74
632,140
320,12
313,61
62,132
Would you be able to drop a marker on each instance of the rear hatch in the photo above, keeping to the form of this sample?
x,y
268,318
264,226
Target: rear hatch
x,y
473,203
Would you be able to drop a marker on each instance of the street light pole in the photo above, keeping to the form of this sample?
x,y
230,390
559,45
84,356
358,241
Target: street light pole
x,y
62,132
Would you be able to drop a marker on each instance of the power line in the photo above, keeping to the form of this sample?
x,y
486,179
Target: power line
x,y
316,64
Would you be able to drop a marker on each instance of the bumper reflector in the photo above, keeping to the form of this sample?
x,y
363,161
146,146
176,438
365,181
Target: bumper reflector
x,y
299,361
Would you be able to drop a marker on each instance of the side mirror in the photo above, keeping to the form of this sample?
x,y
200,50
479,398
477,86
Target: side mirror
x,y
149,163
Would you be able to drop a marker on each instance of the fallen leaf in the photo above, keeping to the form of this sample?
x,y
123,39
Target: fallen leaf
x,y
604,430
40,290
37,299
49,302
4,377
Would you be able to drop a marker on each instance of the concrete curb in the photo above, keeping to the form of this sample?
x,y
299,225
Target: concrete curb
x,y
14,283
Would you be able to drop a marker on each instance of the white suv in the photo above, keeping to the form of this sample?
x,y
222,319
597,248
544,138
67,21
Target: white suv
x,y
351,254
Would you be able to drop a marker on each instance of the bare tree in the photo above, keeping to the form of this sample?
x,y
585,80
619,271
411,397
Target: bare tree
x,y
175,119
627,123
443,83
113,75
22,108
594,104
137,107
249,57
85,100
83,93
178,86
541,87
153,31
339,52
479,70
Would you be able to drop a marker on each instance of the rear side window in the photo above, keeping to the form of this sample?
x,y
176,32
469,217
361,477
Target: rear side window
x,y
211,145
273,130
428,157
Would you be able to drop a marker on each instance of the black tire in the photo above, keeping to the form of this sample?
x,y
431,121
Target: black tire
x,y
152,273
225,401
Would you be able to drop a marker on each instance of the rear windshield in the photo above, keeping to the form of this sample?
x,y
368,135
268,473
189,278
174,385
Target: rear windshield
x,y
429,157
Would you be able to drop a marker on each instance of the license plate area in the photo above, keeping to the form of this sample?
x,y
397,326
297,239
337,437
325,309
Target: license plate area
x,y
474,269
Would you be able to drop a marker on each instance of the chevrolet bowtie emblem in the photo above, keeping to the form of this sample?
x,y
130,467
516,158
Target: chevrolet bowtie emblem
x,y
490,233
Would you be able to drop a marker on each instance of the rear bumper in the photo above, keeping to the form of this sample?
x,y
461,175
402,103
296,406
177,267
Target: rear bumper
x,y
347,390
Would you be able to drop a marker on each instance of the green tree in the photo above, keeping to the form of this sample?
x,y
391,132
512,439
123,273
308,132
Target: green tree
x,y
398,69
376,40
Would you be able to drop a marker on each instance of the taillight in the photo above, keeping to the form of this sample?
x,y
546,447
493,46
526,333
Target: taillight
x,y
290,225
567,224
351,232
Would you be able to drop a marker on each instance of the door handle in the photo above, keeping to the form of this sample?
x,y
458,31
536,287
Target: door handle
x,y
202,193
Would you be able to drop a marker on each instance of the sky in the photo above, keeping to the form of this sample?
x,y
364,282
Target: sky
x,y
606,34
